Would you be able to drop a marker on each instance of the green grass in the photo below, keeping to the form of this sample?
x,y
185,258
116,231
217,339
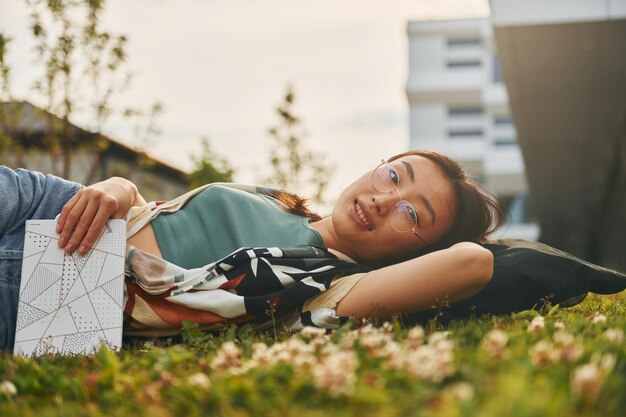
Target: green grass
x,y
353,371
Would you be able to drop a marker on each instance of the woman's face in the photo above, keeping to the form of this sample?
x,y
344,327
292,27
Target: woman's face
x,y
360,218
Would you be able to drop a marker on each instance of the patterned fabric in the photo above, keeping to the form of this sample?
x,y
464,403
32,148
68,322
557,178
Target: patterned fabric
x,y
259,286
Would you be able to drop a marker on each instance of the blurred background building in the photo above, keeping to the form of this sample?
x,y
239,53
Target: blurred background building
x,y
540,85
459,106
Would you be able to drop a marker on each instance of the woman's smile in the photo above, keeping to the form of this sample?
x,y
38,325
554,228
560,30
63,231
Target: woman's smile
x,y
361,215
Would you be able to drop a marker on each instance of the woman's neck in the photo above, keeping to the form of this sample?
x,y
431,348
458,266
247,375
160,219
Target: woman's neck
x,y
326,229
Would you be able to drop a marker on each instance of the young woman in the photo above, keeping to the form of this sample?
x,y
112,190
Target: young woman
x,y
416,203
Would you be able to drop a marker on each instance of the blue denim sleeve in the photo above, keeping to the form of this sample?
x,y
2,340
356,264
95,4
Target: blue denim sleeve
x,y
24,195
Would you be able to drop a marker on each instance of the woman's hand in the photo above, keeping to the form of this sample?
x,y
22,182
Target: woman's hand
x,y
84,216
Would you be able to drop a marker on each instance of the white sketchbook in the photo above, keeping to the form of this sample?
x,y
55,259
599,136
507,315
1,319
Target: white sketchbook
x,y
70,303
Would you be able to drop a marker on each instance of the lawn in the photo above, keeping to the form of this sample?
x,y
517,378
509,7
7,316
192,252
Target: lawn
x,y
553,362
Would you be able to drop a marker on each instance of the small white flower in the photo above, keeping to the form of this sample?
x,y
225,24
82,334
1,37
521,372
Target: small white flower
x,y
8,388
559,325
494,344
199,380
536,325
543,353
615,336
597,318
461,391
312,332
586,380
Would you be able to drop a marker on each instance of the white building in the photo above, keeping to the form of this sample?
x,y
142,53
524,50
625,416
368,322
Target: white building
x,y
459,106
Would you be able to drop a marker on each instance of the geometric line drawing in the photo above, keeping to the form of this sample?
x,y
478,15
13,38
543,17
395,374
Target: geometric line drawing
x,y
52,255
111,269
29,315
91,271
115,289
81,260
77,291
28,267
70,304
38,243
42,278
70,274
34,330
48,300
107,310
62,324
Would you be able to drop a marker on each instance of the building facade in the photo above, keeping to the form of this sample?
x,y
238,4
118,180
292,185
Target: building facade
x,y
565,65
459,106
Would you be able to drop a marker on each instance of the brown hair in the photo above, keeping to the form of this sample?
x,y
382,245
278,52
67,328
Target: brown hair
x,y
291,203
478,213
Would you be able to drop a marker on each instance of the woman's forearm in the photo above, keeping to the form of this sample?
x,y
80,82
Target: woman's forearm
x,y
445,276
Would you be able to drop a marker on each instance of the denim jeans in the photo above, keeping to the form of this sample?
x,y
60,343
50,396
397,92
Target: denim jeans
x,y
23,195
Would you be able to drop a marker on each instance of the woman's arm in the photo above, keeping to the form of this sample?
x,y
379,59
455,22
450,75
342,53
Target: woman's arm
x,y
84,216
445,276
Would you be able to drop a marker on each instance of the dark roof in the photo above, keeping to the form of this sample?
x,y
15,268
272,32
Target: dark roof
x,y
31,124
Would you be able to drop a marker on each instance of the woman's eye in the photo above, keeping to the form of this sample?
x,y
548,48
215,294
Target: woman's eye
x,y
393,175
412,214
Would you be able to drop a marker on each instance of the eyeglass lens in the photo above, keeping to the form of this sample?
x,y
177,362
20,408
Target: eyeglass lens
x,y
402,216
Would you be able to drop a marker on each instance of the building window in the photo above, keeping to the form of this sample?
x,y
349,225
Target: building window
x,y
465,133
498,77
458,64
502,120
465,111
518,208
463,43
505,141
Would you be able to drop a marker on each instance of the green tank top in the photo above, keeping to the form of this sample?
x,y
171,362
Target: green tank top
x,y
221,219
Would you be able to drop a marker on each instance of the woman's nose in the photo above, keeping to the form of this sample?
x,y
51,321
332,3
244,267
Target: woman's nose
x,y
384,202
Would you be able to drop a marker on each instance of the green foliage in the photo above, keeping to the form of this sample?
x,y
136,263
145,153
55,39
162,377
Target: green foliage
x,y
209,167
295,167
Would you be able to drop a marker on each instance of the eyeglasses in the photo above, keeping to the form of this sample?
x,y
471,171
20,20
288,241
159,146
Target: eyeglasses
x,y
402,217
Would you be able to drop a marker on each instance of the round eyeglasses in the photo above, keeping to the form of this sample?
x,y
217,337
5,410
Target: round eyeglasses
x,y
402,217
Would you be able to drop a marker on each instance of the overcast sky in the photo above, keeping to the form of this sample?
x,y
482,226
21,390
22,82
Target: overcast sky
x,y
221,66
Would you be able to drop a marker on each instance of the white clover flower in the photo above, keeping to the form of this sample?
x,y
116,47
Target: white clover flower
x,y
566,347
559,325
597,318
543,353
335,374
606,363
8,388
312,332
494,344
199,380
387,327
461,391
615,336
433,361
586,380
227,358
415,337
536,325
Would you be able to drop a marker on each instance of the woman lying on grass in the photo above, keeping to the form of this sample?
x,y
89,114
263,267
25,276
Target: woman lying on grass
x,y
413,218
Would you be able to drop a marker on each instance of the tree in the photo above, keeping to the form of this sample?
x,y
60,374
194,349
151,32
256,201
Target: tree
x,y
295,167
209,167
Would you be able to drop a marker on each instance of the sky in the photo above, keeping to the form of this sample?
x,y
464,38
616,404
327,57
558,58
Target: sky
x,y
220,67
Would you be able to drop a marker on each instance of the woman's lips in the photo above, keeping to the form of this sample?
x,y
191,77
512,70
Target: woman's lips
x,y
362,215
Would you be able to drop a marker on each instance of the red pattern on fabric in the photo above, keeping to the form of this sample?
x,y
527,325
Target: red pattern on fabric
x,y
232,284
171,313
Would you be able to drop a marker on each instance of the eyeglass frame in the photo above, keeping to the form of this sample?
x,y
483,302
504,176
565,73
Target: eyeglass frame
x,y
395,188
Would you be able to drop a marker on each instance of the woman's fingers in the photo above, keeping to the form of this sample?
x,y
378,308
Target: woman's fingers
x,y
83,218
79,221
